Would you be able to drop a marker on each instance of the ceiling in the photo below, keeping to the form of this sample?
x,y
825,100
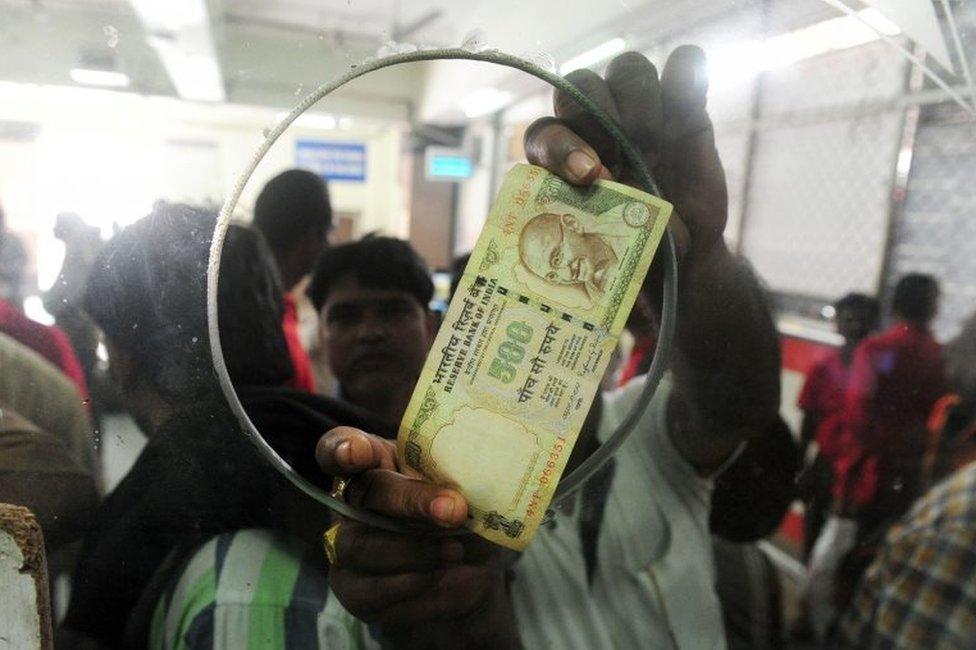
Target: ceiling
x,y
272,52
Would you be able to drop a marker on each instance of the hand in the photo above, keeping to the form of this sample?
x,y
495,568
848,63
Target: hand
x,y
427,589
664,118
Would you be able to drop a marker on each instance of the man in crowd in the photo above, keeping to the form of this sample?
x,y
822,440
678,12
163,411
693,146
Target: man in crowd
x,y
822,403
63,300
895,379
919,590
373,296
630,585
13,265
198,476
39,392
294,215
48,458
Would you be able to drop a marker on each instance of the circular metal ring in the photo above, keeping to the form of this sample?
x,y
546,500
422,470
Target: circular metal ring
x,y
570,483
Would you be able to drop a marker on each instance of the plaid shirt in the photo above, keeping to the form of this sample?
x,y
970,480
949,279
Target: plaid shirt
x,y
920,592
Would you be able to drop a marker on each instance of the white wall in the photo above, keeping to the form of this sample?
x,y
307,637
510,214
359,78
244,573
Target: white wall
x,y
109,156
475,194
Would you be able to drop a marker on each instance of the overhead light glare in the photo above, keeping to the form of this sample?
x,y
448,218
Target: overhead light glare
x,y
483,101
601,52
170,15
104,78
195,76
743,60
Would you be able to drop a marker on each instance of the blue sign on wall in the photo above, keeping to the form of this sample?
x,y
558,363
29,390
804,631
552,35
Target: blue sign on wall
x,y
334,161
447,163
449,167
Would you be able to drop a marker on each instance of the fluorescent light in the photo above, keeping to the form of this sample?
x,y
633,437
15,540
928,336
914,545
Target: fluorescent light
x,y
195,76
741,61
179,31
484,101
877,20
107,78
595,55
170,15
345,122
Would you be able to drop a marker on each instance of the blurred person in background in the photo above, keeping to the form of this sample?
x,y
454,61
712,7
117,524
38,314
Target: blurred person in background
x,y
895,379
48,457
198,476
63,300
822,402
919,590
13,265
40,472
294,214
48,341
37,391
642,325
952,434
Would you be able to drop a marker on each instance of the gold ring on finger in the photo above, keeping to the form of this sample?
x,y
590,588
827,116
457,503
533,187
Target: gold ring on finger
x,y
339,489
329,541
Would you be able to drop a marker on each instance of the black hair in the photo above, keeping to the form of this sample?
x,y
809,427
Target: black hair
x,y
457,270
916,297
293,205
376,262
861,303
147,292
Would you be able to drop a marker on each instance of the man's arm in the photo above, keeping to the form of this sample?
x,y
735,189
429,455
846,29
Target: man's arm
x,y
726,361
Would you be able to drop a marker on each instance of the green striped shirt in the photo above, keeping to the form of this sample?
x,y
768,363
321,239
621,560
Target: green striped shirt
x,y
253,589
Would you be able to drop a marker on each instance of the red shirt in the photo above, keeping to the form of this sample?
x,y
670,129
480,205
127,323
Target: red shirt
x,y
303,379
895,380
643,346
48,341
823,395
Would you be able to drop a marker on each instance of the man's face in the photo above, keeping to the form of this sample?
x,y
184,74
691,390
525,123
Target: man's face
x,y
376,339
853,324
556,248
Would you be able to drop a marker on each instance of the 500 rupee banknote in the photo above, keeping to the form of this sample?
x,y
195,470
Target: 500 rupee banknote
x,y
525,342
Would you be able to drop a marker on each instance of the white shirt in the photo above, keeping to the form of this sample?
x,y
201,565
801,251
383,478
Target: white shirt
x,y
653,584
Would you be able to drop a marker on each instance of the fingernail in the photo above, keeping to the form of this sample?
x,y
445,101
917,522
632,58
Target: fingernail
x,y
452,552
443,508
579,164
344,452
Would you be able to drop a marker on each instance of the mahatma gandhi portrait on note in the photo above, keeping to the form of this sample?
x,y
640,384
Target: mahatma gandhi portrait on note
x,y
558,249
